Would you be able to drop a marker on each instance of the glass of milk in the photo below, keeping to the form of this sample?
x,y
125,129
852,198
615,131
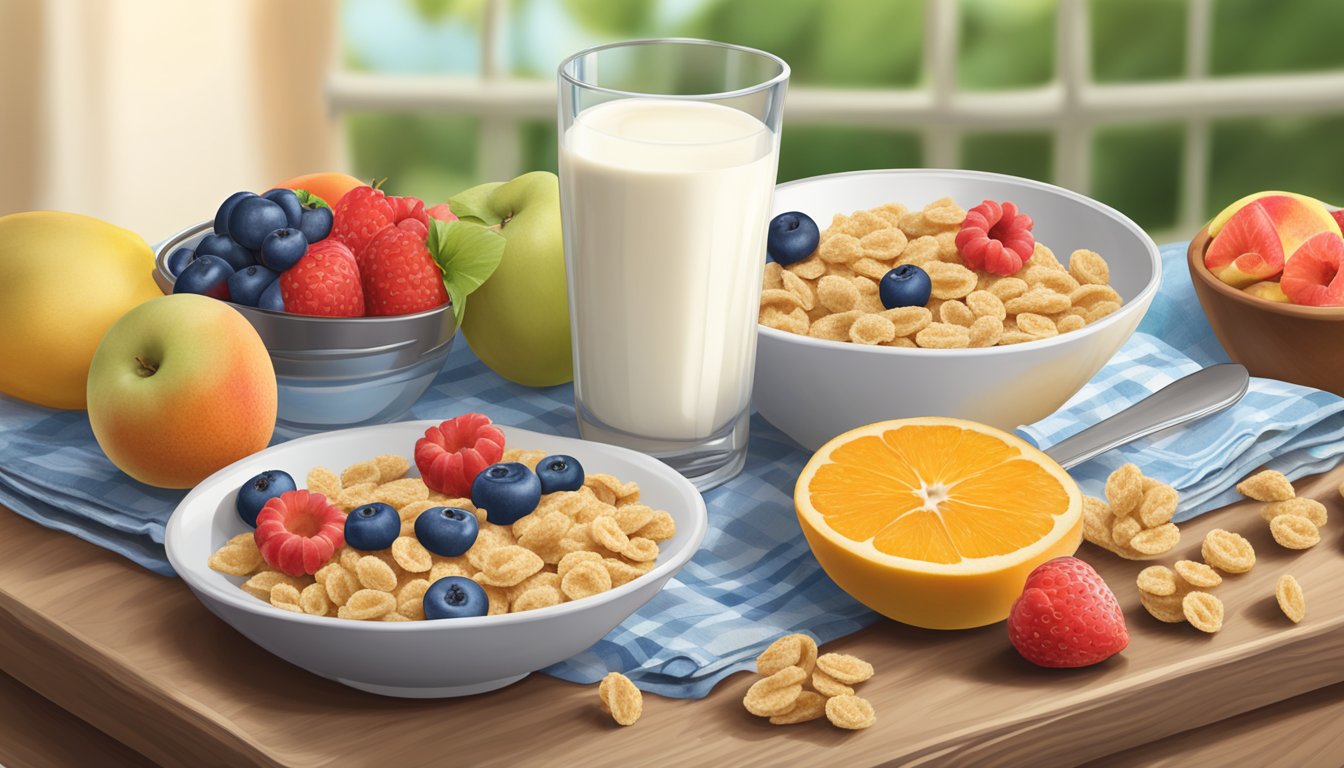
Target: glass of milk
x,y
668,151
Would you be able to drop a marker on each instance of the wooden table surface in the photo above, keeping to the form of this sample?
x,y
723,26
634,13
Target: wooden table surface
x,y
118,652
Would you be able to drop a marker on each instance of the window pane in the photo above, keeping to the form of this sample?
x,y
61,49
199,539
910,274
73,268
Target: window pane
x,y
1297,154
1136,169
1136,40
846,43
813,150
1259,36
1006,45
414,36
1020,154
429,156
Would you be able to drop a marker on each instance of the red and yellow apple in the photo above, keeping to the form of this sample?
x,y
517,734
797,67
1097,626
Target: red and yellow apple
x,y
1258,238
1267,290
1314,276
179,387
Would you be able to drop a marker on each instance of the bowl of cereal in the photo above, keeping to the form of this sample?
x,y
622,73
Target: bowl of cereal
x,y
1003,349
343,624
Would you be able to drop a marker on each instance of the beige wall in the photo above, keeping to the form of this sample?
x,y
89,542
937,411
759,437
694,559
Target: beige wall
x,y
147,113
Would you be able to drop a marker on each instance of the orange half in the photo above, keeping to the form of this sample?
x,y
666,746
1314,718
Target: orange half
x,y
936,522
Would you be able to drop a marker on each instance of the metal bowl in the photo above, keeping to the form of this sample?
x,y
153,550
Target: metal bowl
x,y
335,372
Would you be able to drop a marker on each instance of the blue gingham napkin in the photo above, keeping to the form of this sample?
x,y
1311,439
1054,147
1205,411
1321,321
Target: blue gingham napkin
x,y
753,579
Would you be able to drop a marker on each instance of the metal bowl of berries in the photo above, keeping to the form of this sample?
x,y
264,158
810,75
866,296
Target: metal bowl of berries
x,y
335,372
889,310
445,656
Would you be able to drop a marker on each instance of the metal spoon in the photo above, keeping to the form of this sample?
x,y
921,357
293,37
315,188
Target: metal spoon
x,y
1200,394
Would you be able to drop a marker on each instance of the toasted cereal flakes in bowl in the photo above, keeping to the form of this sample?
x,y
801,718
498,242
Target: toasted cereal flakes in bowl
x,y
556,580
1003,339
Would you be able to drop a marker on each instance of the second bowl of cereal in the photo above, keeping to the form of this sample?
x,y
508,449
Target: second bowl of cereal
x,y
432,608
1033,289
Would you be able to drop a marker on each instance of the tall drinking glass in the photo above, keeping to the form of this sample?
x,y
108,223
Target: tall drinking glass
x,y
668,152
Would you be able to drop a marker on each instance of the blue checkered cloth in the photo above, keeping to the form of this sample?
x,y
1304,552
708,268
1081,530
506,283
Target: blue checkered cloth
x,y
753,579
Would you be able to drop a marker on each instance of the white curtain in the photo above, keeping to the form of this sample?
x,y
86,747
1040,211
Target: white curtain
x,y
148,113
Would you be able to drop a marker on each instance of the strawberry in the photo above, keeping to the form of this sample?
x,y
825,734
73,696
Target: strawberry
x,y
1066,616
325,282
398,274
364,212
298,532
450,455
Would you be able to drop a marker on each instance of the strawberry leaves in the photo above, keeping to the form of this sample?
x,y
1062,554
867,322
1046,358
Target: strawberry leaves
x,y
309,200
472,204
468,253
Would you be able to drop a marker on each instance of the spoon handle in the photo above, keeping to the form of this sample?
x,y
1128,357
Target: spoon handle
x,y
1200,394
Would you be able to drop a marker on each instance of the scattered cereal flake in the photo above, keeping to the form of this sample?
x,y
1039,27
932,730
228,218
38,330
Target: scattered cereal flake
x,y
1039,300
391,467
358,474
396,616
956,313
986,331
1156,541
775,694
908,321
1089,296
537,597
1124,490
1227,551
828,686
943,336
800,288
809,268
498,597
621,572
1102,309
340,584
620,698
1267,485
607,532
1038,326
410,554
324,481
546,531
367,605
457,566
787,651
872,330
641,550
399,493
574,558
950,281
1157,580
1197,574
850,712
585,579
286,596
506,566
260,584
1009,288
773,277
1098,522
1124,530
411,598
1089,267
1290,597
840,249
845,668
986,304
1070,323
236,559
633,517
1311,509
1294,532
1166,608
809,706
1041,256
356,495
1203,611
373,573
314,601
1158,505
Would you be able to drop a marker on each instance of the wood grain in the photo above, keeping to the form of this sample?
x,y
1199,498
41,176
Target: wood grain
x,y
136,656
35,733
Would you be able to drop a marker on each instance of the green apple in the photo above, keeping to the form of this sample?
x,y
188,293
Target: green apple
x,y
518,320
180,387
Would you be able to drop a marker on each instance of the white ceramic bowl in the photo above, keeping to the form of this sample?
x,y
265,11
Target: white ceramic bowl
x,y
422,659
813,390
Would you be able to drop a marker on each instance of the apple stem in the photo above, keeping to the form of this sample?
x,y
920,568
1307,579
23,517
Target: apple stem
x,y
147,368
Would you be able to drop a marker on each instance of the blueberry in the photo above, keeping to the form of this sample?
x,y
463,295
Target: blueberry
x,y
271,298
283,248
905,286
455,597
225,248
226,209
315,223
179,259
256,492
507,492
247,285
288,202
446,531
253,218
560,473
372,527
207,275
792,236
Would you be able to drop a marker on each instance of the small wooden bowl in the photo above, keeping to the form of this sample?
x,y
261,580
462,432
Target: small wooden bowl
x,y
1297,344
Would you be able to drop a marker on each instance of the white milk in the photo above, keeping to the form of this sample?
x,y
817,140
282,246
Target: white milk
x,y
665,208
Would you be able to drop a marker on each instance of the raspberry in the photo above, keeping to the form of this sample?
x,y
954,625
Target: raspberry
x,y
1067,616
996,238
299,531
450,455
